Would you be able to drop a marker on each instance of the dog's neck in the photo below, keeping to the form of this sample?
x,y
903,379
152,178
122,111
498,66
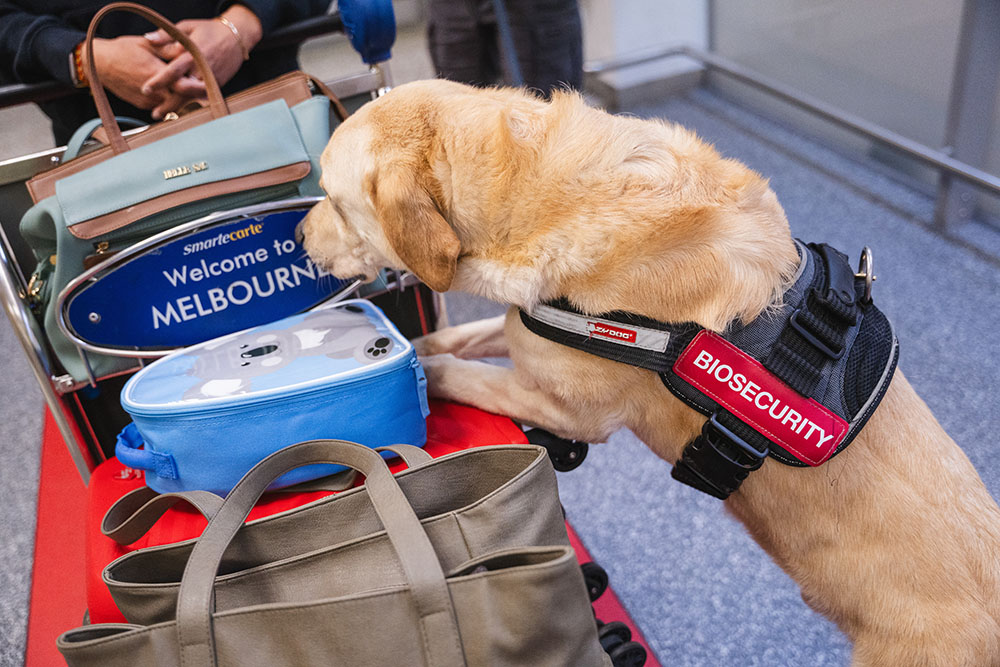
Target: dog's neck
x,y
672,279
654,223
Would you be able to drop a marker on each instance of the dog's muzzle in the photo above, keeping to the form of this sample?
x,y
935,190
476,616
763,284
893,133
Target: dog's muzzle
x,y
797,384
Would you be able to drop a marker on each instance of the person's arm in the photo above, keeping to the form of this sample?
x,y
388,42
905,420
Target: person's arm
x,y
276,13
35,47
38,47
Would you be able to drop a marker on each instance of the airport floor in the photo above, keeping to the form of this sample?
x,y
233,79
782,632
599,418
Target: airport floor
x,y
699,587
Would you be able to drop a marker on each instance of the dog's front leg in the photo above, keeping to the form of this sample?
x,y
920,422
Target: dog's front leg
x,y
504,391
473,340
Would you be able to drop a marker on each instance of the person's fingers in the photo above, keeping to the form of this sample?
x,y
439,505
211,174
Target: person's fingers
x,y
189,86
158,38
169,74
168,51
171,102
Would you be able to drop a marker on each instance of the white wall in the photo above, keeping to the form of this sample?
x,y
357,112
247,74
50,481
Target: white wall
x,y
890,61
616,28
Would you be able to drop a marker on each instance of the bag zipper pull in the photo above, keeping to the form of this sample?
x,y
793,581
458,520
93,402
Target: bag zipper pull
x,y
99,255
33,290
418,371
32,294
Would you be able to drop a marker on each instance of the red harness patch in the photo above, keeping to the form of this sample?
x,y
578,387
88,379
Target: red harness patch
x,y
741,384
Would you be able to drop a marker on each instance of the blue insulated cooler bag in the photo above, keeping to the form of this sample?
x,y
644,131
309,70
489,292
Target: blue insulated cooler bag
x,y
203,416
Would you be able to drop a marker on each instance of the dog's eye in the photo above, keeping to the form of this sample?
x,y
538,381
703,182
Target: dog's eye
x,y
339,210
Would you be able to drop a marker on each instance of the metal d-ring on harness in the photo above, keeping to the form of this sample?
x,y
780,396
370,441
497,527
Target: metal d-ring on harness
x,y
866,272
796,385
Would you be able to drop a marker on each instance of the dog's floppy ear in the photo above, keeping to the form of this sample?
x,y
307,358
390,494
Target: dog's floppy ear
x,y
413,224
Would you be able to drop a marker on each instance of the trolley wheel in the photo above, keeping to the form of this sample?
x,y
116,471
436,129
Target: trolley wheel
x,y
629,654
596,579
610,642
615,629
565,454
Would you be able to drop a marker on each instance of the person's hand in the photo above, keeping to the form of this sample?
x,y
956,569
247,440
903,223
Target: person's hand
x,y
220,46
124,64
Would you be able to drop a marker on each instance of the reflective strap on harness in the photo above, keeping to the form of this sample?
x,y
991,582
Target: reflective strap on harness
x,y
630,339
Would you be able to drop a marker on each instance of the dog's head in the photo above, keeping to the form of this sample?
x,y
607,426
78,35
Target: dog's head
x,y
383,205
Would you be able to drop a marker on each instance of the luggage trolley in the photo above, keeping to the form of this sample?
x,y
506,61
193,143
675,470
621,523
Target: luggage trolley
x,y
88,414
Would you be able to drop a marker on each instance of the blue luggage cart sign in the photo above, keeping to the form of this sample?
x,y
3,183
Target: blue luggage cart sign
x,y
228,277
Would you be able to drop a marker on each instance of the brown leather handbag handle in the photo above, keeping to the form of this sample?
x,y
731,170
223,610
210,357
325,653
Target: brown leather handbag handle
x,y
216,102
338,108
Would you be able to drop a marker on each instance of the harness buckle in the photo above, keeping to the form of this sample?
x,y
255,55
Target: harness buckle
x,y
834,354
714,424
717,461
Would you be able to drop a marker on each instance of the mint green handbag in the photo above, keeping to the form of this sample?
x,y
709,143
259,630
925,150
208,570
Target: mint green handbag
x,y
261,145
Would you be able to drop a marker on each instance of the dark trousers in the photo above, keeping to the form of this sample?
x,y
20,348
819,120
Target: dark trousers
x,y
465,46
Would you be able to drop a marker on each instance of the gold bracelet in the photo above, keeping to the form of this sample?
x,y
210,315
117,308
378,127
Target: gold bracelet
x,y
236,33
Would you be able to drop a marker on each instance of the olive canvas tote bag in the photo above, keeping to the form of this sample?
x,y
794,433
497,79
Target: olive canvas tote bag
x,y
470,503
513,607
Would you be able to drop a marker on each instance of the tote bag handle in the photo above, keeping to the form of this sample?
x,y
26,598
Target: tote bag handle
x,y
216,102
132,515
420,564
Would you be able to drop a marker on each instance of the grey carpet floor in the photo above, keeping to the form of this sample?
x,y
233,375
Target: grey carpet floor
x,y
700,588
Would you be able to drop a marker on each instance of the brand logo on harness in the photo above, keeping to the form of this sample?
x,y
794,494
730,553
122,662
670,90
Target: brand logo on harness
x,y
741,384
614,333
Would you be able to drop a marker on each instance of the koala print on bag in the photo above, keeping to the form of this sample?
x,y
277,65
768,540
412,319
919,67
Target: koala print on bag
x,y
230,365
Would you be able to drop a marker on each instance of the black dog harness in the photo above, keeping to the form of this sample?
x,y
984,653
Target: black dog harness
x,y
797,383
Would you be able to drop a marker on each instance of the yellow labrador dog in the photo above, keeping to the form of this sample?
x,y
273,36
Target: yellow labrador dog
x,y
519,200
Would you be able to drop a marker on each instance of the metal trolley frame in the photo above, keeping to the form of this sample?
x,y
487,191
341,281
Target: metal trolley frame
x,y
78,415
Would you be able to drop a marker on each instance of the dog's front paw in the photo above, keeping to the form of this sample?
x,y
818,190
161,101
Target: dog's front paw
x,y
425,346
442,374
443,341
